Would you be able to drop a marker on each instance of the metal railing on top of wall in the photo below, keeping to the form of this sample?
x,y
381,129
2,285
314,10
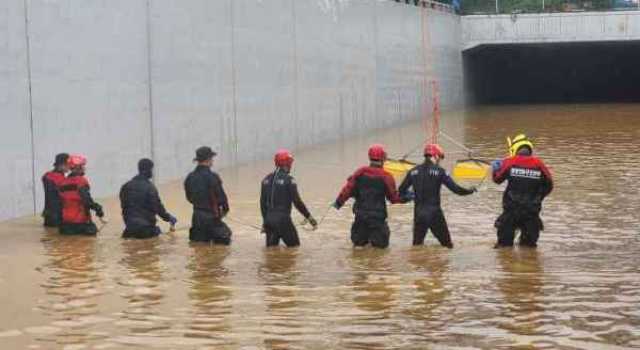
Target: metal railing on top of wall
x,y
435,5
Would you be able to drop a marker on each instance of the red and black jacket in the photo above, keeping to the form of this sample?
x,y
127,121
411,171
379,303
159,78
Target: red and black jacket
x,y
371,187
51,182
530,181
77,201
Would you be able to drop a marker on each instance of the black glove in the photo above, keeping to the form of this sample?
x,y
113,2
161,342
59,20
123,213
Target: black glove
x,y
99,212
336,205
313,222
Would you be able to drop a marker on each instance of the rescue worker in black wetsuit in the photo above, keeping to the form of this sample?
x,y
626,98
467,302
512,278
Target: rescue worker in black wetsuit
x,y
51,181
77,201
278,193
204,191
529,183
371,186
140,203
426,180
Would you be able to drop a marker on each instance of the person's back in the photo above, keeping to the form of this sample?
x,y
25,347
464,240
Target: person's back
x,y
140,203
203,189
77,201
426,180
371,186
278,194
51,182
529,182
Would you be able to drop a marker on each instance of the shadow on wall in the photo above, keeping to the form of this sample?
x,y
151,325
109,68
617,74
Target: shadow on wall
x,y
553,73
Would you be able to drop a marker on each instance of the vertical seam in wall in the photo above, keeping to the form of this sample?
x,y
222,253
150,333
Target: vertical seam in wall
x,y
376,44
233,83
295,75
33,151
150,88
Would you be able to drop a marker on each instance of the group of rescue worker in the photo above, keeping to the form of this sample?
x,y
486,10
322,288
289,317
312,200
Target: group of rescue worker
x,y
68,201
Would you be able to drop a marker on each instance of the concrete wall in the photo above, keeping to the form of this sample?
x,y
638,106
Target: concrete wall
x,y
121,79
555,27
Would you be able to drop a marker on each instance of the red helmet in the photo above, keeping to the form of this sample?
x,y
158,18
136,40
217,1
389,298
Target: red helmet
x,y
376,152
433,150
283,158
76,160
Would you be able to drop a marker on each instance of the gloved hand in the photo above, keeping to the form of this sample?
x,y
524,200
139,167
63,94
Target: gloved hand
x,y
336,205
99,212
496,165
408,197
473,189
172,220
313,222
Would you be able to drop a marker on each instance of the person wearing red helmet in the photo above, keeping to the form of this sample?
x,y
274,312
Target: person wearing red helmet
x,y
203,189
77,202
51,182
371,186
278,194
426,180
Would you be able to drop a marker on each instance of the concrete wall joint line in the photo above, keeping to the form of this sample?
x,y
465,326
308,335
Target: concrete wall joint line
x,y
29,93
152,131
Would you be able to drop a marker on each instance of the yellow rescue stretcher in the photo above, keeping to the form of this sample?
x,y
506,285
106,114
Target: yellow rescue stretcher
x,y
398,167
465,170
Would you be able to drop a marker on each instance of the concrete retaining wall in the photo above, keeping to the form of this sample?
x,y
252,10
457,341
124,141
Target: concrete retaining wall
x,y
122,79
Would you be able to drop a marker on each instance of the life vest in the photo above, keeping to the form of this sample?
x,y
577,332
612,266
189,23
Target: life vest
x,y
73,209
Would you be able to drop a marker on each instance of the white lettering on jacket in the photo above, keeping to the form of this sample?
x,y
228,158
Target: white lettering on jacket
x,y
527,173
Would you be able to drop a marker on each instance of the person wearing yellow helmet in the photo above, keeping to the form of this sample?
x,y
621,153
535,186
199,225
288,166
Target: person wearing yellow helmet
x,y
529,183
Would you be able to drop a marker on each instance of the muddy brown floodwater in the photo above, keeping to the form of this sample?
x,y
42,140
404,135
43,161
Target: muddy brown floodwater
x,y
579,290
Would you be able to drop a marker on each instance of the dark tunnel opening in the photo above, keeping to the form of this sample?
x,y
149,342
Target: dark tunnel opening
x,y
553,73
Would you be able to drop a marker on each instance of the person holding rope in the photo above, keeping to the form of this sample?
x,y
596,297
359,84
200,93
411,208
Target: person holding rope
x,y
529,183
371,186
426,180
140,203
279,192
203,189
77,202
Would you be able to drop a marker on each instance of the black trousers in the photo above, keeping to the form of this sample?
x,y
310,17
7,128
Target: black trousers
x,y
141,232
279,226
205,227
431,219
370,230
528,221
86,229
52,218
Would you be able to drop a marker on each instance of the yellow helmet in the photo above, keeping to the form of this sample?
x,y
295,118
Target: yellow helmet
x,y
517,142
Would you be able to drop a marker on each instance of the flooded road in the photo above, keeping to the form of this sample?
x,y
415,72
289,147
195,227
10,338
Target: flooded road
x,y
579,290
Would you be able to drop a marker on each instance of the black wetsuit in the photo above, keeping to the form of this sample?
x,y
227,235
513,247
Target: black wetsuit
x,y
427,180
52,213
529,183
279,193
140,203
204,190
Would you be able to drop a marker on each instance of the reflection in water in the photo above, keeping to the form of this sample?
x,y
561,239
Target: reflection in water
x,y
521,284
210,294
284,325
374,298
429,283
72,287
142,260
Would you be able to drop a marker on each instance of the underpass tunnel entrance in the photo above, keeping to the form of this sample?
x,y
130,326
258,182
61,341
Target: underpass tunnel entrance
x,y
553,73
